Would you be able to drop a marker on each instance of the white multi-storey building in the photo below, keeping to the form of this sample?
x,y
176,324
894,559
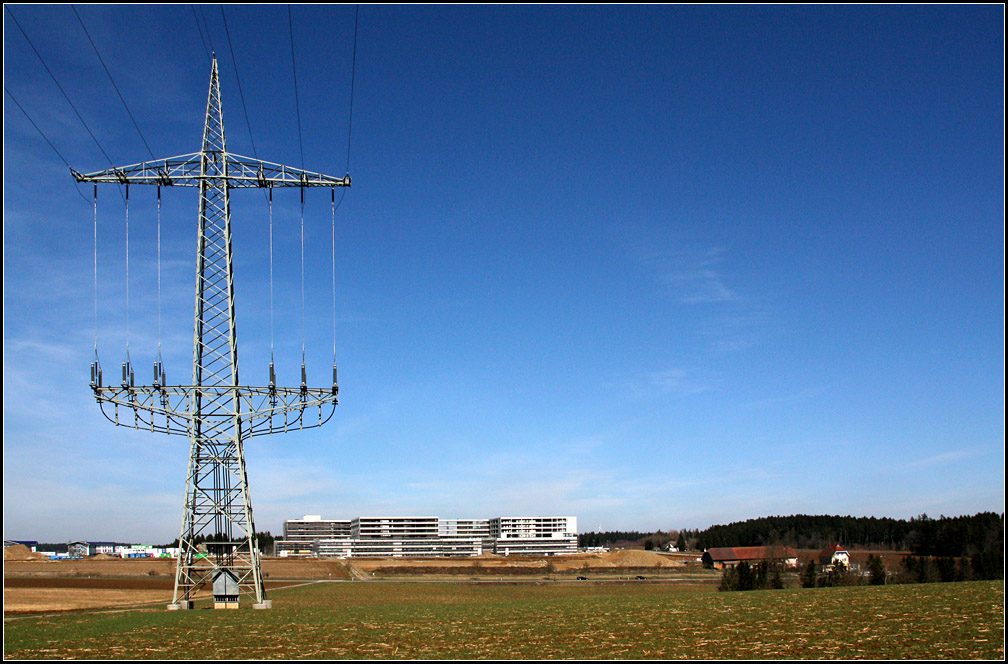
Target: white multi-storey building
x,y
427,536
394,527
304,536
535,535
406,537
465,528
533,527
313,526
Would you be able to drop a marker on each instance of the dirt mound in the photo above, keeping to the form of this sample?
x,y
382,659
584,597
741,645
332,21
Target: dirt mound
x,y
103,556
20,552
635,558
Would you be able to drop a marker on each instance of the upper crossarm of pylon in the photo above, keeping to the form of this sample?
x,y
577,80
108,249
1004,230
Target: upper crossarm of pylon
x,y
258,173
186,171
183,170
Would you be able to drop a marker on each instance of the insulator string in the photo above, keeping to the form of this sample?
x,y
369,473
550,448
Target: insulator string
x,y
271,268
96,272
334,275
159,272
127,275
302,280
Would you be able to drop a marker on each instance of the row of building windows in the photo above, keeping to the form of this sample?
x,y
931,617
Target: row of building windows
x,y
417,537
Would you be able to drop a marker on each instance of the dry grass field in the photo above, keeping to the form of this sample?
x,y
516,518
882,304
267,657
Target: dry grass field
x,y
488,608
539,620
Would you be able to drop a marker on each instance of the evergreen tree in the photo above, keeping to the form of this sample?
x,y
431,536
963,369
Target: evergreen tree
x,y
746,578
808,577
876,570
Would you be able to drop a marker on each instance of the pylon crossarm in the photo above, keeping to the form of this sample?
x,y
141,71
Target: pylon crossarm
x,y
249,172
186,171
268,410
263,410
162,410
183,170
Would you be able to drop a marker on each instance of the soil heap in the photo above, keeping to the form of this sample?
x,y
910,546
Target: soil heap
x,y
21,552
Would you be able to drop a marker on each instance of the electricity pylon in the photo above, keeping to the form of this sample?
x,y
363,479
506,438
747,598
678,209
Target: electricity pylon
x,y
217,543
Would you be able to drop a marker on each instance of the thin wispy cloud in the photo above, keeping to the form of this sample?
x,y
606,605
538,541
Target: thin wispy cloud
x,y
737,326
716,298
701,284
677,382
693,275
951,456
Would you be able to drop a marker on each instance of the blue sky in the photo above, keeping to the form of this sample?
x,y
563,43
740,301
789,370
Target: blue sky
x,y
655,266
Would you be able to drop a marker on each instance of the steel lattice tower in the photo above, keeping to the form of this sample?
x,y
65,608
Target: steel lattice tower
x,y
216,412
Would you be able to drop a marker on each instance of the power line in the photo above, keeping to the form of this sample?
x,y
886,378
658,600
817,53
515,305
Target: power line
x,y
207,26
128,112
241,93
65,96
234,62
37,129
200,29
353,75
297,105
335,205
44,138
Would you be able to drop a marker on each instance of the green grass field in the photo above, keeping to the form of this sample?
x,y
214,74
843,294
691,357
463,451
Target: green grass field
x,y
385,620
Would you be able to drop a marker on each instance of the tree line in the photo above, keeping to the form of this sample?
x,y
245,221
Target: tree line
x,y
767,575
264,540
922,536
612,537
659,539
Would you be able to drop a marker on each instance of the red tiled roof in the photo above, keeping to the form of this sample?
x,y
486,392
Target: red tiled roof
x,y
751,553
827,553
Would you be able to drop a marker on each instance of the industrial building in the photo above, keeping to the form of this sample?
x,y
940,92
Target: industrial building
x,y
85,549
427,537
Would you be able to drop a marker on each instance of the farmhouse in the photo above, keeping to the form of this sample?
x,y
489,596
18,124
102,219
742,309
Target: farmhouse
x,y
834,555
721,557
